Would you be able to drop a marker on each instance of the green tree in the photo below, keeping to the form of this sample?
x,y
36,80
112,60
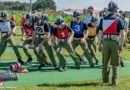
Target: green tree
x,y
14,6
24,7
44,4
2,7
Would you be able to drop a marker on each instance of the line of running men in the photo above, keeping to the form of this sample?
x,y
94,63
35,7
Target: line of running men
x,y
36,31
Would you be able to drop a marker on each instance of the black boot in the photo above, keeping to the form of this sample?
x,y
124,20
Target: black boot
x,y
78,65
92,66
29,60
56,67
40,66
64,68
48,63
97,62
81,60
21,61
122,64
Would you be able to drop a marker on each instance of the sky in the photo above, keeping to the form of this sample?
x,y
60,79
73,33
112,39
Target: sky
x,y
80,4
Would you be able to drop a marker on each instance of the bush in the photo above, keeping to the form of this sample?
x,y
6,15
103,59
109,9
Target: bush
x,y
18,15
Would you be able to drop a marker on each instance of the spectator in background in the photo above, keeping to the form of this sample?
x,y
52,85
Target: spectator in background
x,y
121,12
23,19
29,11
119,15
35,12
13,19
22,22
90,15
102,14
126,22
128,36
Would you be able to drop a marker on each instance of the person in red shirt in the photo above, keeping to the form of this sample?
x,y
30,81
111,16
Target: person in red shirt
x,y
13,19
27,36
23,19
22,22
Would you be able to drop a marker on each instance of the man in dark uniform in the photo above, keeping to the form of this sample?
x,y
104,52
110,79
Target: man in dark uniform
x,y
6,28
64,36
40,37
111,28
47,45
45,18
79,27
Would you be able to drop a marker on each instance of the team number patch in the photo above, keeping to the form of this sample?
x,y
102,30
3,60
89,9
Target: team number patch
x,y
91,31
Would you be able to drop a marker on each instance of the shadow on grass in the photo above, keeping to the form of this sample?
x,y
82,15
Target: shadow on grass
x,y
6,64
85,67
33,67
41,70
71,84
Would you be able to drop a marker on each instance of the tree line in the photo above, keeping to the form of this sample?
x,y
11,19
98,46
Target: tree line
x,y
38,5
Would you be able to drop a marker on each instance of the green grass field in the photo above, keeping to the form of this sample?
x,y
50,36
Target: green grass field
x,y
82,85
91,82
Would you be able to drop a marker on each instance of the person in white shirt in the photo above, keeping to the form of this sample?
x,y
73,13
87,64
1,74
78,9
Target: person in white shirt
x,y
90,15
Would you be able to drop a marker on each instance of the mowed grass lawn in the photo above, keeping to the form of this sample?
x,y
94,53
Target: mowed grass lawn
x,y
77,85
82,85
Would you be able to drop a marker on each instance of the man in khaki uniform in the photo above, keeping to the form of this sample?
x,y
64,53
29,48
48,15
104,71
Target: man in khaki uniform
x,y
40,37
47,45
91,40
7,28
111,28
79,27
64,36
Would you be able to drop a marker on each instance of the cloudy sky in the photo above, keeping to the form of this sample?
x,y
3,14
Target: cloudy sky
x,y
64,4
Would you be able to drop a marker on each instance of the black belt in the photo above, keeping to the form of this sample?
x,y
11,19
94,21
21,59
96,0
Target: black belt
x,y
61,40
41,35
109,36
91,38
112,37
5,32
